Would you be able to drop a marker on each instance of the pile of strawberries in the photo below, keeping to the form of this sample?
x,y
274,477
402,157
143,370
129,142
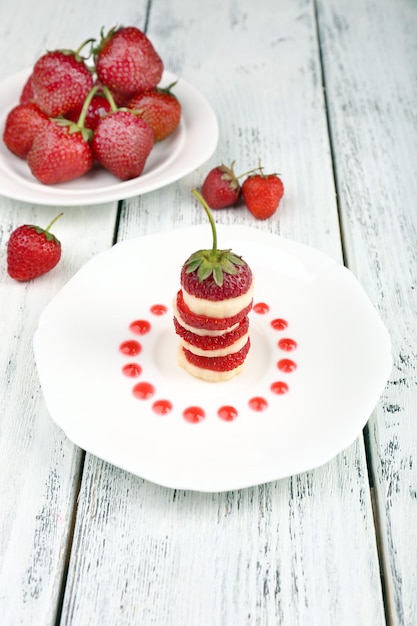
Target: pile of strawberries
x,y
103,108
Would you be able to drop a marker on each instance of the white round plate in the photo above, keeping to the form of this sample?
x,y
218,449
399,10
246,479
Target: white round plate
x,y
191,144
341,359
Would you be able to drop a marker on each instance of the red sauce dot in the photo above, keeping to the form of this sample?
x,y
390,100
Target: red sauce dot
x,y
287,344
130,347
194,414
258,404
143,391
140,327
279,324
158,309
132,370
227,413
279,387
286,365
261,308
162,407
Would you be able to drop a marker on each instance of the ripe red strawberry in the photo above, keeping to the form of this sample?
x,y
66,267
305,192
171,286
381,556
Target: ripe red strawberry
x,y
262,194
221,187
122,142
32,251
160,108
27,94
127,62
23,123
60,152
61,81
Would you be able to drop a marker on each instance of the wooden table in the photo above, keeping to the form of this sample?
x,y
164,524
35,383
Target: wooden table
x,y
324,92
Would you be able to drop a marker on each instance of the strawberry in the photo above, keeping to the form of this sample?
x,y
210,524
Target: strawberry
x,y
27,94
262,194
121,143
160,108
221,187
59,153
32,251
61,81
127,62
23,122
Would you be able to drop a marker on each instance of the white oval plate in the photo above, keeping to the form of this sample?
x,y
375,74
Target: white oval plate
x,y
193,142
343,359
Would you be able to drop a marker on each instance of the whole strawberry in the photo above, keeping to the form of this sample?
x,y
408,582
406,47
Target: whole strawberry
x,y
60,152
122,142
127,62
221,187
61,81
262,194
23,123
160,108
32,251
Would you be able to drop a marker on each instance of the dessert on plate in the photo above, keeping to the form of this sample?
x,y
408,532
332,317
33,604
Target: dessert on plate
x,y
211,311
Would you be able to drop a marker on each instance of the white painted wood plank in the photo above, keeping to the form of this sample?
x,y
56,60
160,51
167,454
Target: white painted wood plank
x,y
298,551
369,55
39,467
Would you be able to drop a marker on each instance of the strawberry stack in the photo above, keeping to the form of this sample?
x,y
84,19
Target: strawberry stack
x,y
211,312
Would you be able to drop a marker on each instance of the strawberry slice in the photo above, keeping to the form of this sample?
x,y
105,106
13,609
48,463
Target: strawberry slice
x,y
208,323
220,363
209,342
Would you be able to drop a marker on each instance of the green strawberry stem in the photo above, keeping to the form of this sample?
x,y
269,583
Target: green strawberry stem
x,y
48,228
87,102
255,169
107,93
205,206
76,53
212,262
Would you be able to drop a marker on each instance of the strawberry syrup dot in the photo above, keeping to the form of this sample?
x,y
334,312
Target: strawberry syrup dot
x,y
143,391
158,309
132,370
279,324
258,404
286,365
194,414
162,407
140,327
261,308
287,344
279,387
131,347
227,413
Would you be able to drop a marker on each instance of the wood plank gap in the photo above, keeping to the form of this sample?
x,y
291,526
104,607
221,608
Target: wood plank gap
x,y
377,524
148,11
365,432
117,222
330,135
67,555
